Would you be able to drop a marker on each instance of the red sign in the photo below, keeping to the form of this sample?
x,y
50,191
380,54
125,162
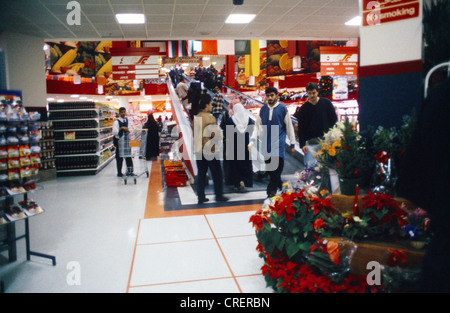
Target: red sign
x,y
135,67
337,61
381,12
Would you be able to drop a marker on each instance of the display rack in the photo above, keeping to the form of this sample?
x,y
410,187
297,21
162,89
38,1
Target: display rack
x,y
19,169
83,137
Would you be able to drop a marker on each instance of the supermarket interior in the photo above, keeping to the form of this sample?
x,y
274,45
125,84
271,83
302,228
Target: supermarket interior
x,y
95,200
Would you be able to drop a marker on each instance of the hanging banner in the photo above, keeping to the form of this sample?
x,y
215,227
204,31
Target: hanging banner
x,y
340,88
386,11
337,61
135,67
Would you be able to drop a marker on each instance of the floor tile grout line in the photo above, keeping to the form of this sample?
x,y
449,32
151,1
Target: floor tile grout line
x,y
194,280
191,240
134,256
223,254
180,282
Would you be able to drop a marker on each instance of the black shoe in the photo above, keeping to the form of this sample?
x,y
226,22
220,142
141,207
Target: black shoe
x,y
222,199
200,201
119,175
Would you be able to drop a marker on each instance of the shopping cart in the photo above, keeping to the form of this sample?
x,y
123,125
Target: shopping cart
x,y
134,146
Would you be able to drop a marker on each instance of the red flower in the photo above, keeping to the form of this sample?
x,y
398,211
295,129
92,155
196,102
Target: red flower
x,y
318,205
258,219
396,257
318,223
382,157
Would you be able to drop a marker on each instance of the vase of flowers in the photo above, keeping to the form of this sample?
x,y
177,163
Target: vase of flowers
x,y
418,228
386,147
351,158
326,155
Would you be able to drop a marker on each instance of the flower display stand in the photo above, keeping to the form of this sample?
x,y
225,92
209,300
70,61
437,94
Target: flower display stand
x,y
334,244
361,253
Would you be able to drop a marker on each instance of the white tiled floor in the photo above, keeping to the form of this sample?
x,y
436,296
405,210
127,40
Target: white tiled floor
x,y
203,253
97,222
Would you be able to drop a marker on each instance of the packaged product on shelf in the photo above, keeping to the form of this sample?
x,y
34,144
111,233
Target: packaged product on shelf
x,y
13,163
2,220
24,161
35,159
25,172
3,165
34,169
24,150
30,207
3,152
15,190
14,213
13,174
30,185
13,152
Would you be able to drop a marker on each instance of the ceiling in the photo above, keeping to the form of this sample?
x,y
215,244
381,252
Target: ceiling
x,y
182,19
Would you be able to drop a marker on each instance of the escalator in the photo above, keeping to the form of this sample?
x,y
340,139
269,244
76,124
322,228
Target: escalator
x,y
292,163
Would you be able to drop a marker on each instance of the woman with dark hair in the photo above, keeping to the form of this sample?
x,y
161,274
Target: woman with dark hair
x,y
207,136
152,137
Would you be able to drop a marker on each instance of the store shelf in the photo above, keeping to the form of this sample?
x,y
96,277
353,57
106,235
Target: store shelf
x,y
75,154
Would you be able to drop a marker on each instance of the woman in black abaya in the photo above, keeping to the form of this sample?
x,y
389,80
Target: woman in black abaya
x,y
152,137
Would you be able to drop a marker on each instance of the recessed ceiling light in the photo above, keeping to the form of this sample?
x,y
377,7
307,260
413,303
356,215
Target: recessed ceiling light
x,y
356,21
74,96
130,18
240,18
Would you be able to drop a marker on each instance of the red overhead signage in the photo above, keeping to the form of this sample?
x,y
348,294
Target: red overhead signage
x,y
386,11
338,61
135,67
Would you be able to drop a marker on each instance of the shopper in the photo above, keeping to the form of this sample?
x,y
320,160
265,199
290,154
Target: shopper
x,y
237,132
315,117
424,179
217,103
207,135
152,127
120,129
182,93
272,125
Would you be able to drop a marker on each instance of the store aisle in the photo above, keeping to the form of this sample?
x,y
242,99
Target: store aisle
x,y
90,225
113,238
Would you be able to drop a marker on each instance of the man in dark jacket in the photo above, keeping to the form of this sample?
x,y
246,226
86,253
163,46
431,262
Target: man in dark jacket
x,y
315,117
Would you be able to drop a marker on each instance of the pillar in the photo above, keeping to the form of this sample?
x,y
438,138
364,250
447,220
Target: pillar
x,y
390,76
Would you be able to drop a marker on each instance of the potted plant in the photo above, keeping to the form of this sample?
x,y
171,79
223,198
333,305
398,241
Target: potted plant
x,y
351,158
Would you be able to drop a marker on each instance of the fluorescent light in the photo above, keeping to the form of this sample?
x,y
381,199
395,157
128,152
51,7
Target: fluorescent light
x,y
74,96
356,21
240,18
50,99
130,18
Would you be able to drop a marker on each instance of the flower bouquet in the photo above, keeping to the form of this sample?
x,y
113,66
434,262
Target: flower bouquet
x,y
418,228
329,145
326,155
